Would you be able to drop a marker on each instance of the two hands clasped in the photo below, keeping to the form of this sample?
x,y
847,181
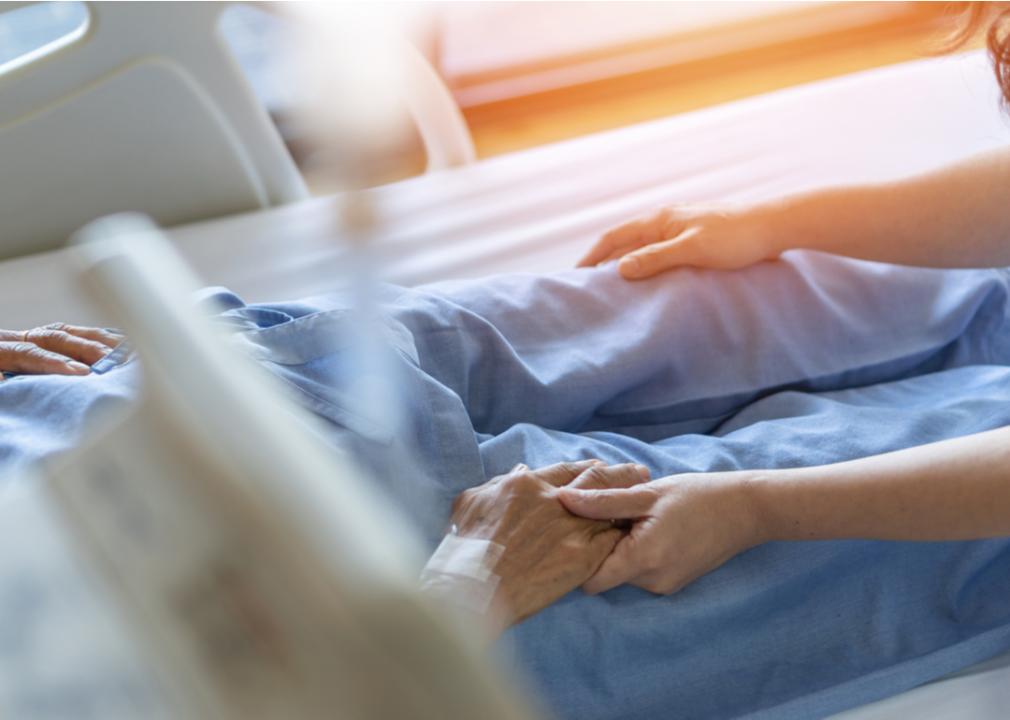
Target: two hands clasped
x,y
598,526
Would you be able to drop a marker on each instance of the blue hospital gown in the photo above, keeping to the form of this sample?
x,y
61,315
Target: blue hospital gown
x,y
812,359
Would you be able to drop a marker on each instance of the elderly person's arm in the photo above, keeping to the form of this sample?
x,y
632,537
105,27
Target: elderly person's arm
x,y
686,525
54,349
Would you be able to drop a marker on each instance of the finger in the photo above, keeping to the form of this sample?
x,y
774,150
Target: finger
x,y
611,476
622,236
619,567
664,224
619,253
602,248
626,249
658,257
77,348
634,502
99,335
563,473
616,255
601,546
25,357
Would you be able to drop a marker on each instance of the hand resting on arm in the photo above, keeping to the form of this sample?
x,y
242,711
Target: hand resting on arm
x,y
54,349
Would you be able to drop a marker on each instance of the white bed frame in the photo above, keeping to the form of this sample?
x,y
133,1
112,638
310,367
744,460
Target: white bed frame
x,y
537,210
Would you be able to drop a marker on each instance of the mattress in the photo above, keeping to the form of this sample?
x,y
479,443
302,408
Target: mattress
x,y
538,210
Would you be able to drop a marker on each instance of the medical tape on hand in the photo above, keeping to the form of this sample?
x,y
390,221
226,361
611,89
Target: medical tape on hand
x,y
462,571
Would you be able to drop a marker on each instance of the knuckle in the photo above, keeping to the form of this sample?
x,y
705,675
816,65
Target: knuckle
x,y
522,482
58,326
573,546
617,474
528,482
567,468
48,335
25,348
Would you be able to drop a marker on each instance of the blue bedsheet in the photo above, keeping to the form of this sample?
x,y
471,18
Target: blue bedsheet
x,y
809,360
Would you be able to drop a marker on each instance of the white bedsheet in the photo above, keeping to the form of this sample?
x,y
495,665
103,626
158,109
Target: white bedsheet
x,y
538,210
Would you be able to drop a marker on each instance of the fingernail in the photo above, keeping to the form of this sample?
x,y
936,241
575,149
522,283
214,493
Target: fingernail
x,y
629,266
597,462
518,468
77,367
643,471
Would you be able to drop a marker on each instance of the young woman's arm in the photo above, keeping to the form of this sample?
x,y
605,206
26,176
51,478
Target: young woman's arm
x,y
957,489
955,217
687,525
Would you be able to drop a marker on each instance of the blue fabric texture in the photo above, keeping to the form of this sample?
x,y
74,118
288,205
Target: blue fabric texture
x,y
808,360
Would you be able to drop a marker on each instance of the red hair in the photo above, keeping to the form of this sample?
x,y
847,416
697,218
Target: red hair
x,y
997,37
998,40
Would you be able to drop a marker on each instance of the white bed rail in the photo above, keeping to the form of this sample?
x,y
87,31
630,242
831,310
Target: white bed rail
x,y
145,108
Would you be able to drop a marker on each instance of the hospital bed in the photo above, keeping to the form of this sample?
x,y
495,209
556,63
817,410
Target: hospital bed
x,y
536,211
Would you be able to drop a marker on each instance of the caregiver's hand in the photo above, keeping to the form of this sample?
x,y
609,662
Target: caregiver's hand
x,y
703,237
548,550
55,349
684,526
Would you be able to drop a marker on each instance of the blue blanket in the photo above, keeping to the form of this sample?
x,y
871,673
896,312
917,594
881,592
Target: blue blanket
x,y
812,359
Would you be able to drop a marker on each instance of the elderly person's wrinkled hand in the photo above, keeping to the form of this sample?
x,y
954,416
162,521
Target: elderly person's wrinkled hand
x,y
54,349
548,551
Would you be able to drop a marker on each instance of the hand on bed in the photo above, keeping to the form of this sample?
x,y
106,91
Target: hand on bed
x,y
694,236
684,526
548,551
54,349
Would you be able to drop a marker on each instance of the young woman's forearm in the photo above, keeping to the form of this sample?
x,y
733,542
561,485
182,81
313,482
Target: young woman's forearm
x,y
952,490
953,217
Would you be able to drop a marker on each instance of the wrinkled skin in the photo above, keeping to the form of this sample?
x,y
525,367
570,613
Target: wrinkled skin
x,y
548,550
